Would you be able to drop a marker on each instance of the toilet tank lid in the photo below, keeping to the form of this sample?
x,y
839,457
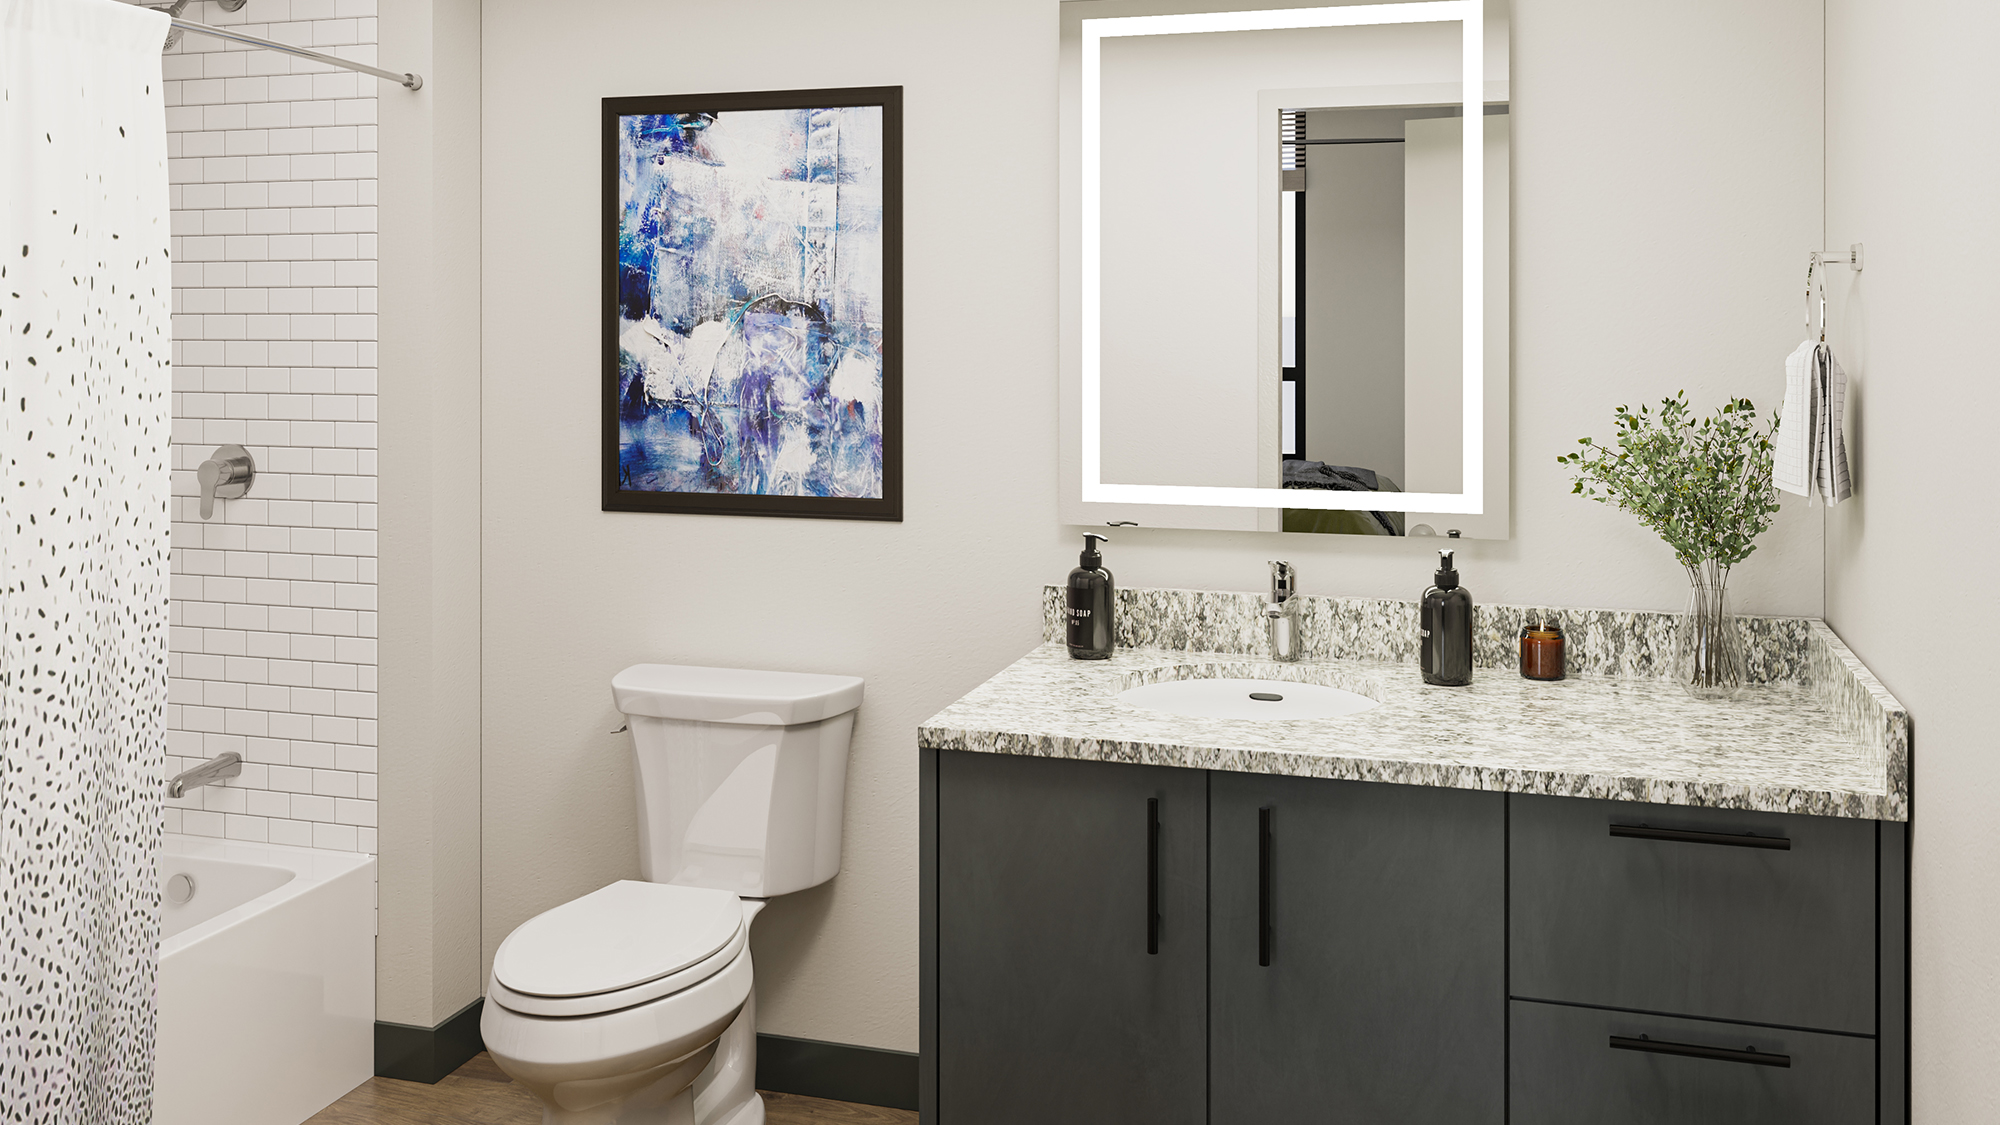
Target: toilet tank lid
x,y
733,695
616,937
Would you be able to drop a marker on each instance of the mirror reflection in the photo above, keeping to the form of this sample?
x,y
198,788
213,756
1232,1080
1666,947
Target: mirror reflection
x,y
1371,394
1279,221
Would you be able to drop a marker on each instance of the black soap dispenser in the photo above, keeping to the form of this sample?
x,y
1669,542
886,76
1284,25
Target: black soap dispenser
x,y
1445,624
1090,614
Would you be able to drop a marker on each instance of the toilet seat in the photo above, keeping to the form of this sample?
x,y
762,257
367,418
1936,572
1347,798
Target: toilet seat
x,y
545,1053
598,1003
620,945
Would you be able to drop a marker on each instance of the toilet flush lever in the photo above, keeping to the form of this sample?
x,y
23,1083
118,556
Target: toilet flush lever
x,y
227,474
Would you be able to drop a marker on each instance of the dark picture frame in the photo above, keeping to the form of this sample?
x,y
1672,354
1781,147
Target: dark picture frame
x,y
617,497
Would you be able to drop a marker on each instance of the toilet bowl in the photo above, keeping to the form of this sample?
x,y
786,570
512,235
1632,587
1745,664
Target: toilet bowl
x,y
609,1008
634,1004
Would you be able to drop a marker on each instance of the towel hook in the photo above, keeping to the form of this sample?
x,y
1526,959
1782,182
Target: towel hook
x,y
1815,288
1816,264
1851,257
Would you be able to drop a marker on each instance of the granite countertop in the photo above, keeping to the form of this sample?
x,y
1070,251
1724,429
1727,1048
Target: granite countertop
x,y
1826,739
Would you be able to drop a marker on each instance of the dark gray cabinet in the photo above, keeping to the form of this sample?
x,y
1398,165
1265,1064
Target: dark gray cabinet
x,y
1275,949
1725,914
1357,964
1107,942
1593,1066
1663,959
1072,952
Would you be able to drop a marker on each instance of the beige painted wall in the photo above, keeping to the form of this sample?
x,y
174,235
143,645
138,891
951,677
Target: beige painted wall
x,y
1653,251
574,594
1913,153
428,962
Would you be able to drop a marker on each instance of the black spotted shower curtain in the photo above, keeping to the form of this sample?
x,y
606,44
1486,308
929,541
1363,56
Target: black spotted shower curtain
x,y
84,393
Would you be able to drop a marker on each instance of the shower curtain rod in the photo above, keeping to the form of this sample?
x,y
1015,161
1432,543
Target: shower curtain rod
x,y
413,81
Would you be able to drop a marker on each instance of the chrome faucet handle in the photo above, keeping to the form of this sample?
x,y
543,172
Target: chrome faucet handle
x,y
1281,613
1283,582
228,474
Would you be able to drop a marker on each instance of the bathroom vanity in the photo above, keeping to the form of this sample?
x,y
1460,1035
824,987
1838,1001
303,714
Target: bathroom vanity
x,y
1593,900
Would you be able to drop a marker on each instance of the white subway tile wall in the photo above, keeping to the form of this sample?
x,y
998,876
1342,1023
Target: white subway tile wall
x,y
272,166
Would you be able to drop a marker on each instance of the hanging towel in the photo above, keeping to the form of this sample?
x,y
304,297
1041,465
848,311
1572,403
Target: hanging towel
x,y
1830,480
1809,451
1792,455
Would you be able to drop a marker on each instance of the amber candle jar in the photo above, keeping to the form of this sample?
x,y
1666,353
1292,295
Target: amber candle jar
x,y
1542,651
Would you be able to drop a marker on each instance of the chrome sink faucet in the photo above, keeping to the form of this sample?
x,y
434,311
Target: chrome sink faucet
x,y
1281,612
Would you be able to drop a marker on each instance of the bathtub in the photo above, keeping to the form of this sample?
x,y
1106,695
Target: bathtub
x,y
267,981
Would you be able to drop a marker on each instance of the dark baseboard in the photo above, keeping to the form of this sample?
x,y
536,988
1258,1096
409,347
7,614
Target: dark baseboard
x,y
786,1065
427,1054
837,1071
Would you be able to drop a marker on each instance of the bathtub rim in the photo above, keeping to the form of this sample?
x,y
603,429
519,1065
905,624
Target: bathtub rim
x,y
311,868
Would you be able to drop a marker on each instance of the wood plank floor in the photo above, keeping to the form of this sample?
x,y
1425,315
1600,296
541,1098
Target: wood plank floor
x,y
479,1094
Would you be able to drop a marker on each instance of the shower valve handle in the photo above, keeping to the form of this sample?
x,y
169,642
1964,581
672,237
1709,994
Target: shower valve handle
x,y
227,474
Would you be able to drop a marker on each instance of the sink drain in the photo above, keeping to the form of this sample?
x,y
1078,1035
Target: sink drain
x,y
1267,697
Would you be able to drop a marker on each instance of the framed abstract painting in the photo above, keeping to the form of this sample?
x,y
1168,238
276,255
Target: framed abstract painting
x,y
753,303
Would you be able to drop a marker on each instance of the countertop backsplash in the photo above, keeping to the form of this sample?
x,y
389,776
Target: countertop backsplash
x,y
1631,644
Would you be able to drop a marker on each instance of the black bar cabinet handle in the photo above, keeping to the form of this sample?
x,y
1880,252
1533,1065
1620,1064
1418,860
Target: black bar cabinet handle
x,y
1264,886
1686,836
1749,1055
1152,875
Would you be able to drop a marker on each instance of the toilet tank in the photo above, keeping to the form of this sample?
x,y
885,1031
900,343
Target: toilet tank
x,y
742,775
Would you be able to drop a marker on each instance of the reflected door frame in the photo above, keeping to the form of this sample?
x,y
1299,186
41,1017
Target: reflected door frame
x,y
1294,375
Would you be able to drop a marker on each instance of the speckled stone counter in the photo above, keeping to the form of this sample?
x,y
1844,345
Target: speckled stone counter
x,y
1817,734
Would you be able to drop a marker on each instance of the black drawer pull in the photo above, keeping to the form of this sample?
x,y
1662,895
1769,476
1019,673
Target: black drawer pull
x,y
1264,886
1696,1051
1152,875
1686,836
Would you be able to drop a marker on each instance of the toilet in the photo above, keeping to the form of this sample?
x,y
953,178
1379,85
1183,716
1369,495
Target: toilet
x,y
635,1005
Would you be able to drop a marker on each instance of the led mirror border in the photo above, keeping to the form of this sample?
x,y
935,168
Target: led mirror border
x,y
1471,15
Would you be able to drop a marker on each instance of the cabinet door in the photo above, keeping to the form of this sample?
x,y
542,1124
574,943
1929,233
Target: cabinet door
x,y
1592,1066
1384,999
1072,943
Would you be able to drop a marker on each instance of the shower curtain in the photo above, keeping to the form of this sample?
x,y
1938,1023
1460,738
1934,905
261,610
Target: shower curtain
x,y
84,383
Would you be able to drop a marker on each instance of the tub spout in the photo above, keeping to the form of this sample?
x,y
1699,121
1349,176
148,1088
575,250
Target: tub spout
x,y
219,768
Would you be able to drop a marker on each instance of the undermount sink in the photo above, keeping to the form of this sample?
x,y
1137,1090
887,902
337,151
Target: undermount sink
x,y
1220,698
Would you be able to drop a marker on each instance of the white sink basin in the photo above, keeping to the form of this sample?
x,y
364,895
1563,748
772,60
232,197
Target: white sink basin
x,y
1245,699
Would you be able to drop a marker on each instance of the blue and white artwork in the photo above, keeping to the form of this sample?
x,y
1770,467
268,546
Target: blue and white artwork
x,y
750,295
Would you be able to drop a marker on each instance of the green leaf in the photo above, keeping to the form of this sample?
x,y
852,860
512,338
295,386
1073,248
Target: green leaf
x,y
1702,485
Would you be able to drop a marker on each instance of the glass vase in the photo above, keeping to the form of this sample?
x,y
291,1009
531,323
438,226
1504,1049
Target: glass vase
x,y
1708,648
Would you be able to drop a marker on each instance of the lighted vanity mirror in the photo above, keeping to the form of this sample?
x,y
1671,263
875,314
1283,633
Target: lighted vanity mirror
x,y
1269,248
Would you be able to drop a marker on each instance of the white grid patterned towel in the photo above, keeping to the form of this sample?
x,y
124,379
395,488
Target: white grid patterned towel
x,y
1809,454
1830,480
1792,459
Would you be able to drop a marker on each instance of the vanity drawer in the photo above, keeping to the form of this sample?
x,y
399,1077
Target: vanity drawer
x,y
1717,913
1588,1066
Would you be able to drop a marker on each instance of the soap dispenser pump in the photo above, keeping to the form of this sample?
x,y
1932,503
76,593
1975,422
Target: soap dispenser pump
x,y
1090,611
1445,626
